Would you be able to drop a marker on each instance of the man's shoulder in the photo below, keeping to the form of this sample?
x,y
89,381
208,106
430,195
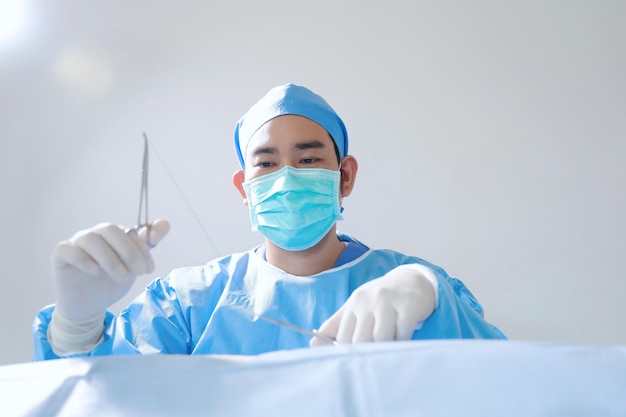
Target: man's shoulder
x,y
391,256
218,268
387,253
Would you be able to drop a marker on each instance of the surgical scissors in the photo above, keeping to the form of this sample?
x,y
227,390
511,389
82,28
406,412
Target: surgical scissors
x,y
299,329
143,195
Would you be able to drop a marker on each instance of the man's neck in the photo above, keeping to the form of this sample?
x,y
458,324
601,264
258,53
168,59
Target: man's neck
x,y
320,257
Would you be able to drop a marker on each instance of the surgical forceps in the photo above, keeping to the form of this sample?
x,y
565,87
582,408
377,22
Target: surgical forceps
x,y
143,195
248,311
299,329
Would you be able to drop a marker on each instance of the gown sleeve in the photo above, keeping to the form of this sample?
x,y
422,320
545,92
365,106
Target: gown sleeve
x,y
43,349
458,314
153,323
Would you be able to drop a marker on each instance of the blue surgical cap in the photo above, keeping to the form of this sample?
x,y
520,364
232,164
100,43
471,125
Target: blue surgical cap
x,y
290,99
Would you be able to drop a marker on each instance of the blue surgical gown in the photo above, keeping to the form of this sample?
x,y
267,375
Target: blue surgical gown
x,y
211,309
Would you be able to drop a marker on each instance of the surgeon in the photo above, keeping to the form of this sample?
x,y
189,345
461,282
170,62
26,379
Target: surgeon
x,y
295,173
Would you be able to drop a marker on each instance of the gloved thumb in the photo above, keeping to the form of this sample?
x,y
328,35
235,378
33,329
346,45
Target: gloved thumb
x,y
155,232
329,328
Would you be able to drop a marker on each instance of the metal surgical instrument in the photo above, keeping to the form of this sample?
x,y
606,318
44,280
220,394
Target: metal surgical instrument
x,y
143,222
299,329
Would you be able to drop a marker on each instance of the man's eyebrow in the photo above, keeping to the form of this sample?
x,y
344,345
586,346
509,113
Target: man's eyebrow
x,y
264,150
313,144
302,146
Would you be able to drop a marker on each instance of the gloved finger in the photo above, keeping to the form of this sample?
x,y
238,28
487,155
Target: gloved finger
x,y
320,339
384,324
363,327
329,328
67,253
100,251
410,314
405,328
135,256
346,327
142,248
155,232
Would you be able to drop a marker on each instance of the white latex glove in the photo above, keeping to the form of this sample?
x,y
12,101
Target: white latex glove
x,y
91,271
388,308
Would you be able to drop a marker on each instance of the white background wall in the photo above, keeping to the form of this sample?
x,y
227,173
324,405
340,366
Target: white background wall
x,y
490,136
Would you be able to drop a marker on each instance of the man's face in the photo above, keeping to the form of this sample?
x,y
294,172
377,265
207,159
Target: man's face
x,y
289,140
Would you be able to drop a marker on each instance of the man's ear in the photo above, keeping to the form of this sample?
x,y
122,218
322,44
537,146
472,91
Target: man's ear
x,y
349,168
238,179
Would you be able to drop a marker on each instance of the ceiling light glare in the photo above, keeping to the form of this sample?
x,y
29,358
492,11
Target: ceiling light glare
x,y
12,18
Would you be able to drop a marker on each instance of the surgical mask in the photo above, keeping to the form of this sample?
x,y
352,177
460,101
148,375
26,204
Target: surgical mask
x,y
294,207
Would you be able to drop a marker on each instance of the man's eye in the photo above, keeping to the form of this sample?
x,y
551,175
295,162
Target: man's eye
x,y
264,164
308,160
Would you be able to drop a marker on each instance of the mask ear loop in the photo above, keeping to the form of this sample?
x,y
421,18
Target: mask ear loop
x,y
340,197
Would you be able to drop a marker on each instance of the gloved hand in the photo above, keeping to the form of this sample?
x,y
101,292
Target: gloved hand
x,y
388,308
91,271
